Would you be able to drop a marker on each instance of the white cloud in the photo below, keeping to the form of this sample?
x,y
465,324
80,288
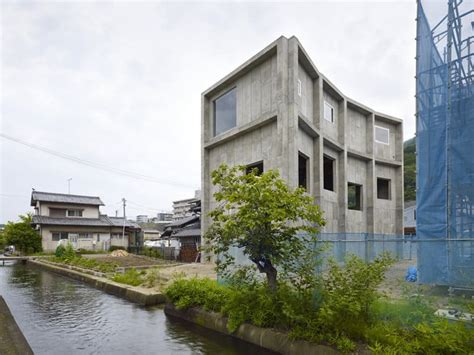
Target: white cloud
x,y
120,83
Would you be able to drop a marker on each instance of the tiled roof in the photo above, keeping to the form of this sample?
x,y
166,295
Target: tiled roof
x,y
188,233
102,221
182,222
65,221
64,198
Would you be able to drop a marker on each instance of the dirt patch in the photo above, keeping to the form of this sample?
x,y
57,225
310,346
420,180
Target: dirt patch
x,y
190,270
130,260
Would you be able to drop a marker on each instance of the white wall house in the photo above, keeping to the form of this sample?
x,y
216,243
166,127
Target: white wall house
x,y
77,219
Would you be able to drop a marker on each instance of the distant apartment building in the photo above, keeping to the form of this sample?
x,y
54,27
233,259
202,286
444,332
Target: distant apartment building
x,y
77,219
164,217
183,208
142,218
278,111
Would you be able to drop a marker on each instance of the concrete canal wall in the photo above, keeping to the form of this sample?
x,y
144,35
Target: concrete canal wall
x,y
130,293
12,340
266,338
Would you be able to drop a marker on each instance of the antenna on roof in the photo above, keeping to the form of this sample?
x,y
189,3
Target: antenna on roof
x,y
69,186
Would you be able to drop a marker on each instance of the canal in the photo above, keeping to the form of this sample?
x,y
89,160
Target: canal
x,y
59,315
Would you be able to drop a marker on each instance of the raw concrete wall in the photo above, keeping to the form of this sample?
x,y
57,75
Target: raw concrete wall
x,y
275,122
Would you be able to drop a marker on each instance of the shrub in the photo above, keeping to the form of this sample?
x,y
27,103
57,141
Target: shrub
x,y
131,277
197,292
349,291
59,253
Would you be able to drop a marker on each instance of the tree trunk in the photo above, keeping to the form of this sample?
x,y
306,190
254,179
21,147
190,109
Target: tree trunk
x,y
271,273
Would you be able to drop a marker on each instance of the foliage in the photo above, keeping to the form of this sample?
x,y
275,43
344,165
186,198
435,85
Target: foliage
x,y
69,252
265,218
22,235
344,310
349,292
131,277
206,293
152,252
152,278
86,263
409,166
115,247
60,249
3,241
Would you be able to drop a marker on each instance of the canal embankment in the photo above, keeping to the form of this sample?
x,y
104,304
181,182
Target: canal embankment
x,y
266,338
139,295
12,340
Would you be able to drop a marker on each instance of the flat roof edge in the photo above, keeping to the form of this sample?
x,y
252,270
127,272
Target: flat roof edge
x,y
265,53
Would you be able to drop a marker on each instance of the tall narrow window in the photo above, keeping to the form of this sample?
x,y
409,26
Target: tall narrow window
x,y
328,112
354,196
255,166
225,115
303,171
328,167
382,135
383,189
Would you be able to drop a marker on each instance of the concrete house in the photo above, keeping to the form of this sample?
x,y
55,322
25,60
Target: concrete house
x,y
78,219
277,111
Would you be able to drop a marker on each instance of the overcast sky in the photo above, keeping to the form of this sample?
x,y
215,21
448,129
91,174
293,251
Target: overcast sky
x,y
119,84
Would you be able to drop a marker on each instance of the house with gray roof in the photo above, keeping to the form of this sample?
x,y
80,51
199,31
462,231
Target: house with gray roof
x,y
77,219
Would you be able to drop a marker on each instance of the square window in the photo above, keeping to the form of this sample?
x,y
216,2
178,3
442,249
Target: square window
x,y
328,112
225,114
382,135
383,189
328,167
257,166
354,196
303,171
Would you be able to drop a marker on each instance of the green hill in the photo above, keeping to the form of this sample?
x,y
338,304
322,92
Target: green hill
x,y
409,148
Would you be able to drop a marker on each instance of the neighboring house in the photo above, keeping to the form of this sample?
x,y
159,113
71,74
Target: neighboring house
x,y
409,218
78,219
151,234
182,208
278,111
142,218
188,232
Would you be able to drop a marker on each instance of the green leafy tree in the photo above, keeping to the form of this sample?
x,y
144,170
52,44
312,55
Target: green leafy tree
x,y
274,226
22,235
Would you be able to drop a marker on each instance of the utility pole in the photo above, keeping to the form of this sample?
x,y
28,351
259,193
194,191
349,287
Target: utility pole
x,y
69,186
116,213
124,202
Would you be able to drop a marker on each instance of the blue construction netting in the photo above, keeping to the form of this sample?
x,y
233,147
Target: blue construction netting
x,y
445,142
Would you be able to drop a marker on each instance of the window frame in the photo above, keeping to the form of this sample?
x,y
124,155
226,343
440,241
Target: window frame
x,y
77,212
326,103
299,87
359,189
60,236
384,129
307,168
389,189
214,113
333,160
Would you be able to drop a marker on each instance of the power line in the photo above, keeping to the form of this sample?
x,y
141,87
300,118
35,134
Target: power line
x,y
93,164
145,207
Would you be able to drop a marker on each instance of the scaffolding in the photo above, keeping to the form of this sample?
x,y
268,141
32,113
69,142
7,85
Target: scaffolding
x,y
445,142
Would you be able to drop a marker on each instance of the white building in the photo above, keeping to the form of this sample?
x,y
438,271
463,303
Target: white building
x,y
182,208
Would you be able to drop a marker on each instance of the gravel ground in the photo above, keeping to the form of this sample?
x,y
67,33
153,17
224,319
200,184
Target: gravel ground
x,y
128,261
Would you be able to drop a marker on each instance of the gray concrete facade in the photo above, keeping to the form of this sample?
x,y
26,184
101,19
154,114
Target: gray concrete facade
x,y
280,99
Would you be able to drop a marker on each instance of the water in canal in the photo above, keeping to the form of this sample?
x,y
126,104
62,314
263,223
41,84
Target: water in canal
x,y
59,315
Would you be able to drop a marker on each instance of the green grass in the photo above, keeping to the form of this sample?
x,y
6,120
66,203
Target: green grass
x,y
86,263
131,277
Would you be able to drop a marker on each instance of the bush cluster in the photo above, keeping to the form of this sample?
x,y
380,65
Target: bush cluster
x,y
67,255
344,309
152,252
131,277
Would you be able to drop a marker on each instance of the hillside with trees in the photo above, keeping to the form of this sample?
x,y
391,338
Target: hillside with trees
x,y
409,148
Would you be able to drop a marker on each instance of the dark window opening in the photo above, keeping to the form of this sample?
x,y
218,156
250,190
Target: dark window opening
x,y
257,166
354,196
303,170
57,236
328,167
225,113
383,189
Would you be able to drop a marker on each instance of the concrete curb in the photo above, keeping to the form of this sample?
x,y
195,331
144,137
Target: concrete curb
x,y
264,337
12,340
120,290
